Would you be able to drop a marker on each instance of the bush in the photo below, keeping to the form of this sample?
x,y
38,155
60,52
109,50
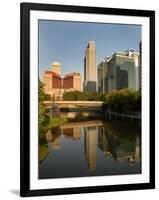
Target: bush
x,y
82,96
124,100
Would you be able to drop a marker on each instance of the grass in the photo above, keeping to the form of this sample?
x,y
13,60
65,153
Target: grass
x,y
53,122
56,121
43,151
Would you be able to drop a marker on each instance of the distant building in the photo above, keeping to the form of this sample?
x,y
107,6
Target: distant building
x,y
72,80
102,72
47,80
121,78
51,82
90,79
121,70
56,67
56,86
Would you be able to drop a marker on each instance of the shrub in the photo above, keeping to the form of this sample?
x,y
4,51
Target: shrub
x,y
124,100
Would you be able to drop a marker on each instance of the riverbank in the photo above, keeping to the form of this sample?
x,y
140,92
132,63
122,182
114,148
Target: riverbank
x,y
56,121
43,152
53,122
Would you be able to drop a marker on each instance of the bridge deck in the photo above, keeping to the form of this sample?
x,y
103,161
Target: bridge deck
x,y
61,104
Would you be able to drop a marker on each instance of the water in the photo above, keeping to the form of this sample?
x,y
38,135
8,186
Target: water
x,y
87,146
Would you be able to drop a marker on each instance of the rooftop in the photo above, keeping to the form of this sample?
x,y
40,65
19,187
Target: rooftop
x,y
52,73
56,63
72,74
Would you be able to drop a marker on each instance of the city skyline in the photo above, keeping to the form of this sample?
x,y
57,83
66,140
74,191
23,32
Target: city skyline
x,y
65,42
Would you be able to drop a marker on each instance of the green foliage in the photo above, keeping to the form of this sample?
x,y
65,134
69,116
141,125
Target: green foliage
x,y
43,151
82,96
124,100
43,116
55,122
47,97
45,122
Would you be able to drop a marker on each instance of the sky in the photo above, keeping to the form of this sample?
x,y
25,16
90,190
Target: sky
x,y
65,42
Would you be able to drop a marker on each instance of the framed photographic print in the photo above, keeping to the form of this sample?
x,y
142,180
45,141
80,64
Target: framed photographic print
x,y
87,99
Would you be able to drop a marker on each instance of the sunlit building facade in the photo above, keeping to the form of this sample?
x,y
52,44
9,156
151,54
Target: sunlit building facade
x,y
121,70
72,80
56,67
90,74
56,86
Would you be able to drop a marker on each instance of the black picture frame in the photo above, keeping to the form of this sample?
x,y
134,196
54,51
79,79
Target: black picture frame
x,y
25,9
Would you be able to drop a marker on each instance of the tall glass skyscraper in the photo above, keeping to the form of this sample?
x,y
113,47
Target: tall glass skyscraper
x,y
122,71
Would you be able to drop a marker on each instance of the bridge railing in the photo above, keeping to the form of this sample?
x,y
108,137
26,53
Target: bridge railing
x,y
122,115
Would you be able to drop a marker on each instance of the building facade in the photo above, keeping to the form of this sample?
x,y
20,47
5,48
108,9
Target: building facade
x,y
121,78
102,72
56,86
90,74
121,71
72,80
56,67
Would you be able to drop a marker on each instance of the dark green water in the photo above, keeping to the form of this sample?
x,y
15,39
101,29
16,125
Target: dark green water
x,y
92,146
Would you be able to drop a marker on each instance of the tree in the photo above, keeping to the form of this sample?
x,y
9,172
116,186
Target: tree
x,y
42,112
82,96
124,100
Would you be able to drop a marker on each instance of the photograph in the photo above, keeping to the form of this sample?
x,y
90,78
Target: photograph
x,y
89,99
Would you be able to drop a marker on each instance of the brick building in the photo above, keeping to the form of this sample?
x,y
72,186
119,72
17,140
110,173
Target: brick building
x,y
56,86
72,80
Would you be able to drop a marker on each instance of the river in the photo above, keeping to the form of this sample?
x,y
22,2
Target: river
x,y
89,145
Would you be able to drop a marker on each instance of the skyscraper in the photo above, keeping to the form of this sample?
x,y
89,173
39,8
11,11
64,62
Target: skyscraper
x,y
90,74
121,70
128,62
121,78
102,73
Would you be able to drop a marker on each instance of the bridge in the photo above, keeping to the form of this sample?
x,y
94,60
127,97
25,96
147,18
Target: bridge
x,y
74,104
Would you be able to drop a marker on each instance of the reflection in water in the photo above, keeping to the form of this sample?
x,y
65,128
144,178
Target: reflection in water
x,y
90,144
73,133
53,139
80,115
118,148
92,148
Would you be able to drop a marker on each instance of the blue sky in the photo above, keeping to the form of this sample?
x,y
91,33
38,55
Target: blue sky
x,y
65,42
